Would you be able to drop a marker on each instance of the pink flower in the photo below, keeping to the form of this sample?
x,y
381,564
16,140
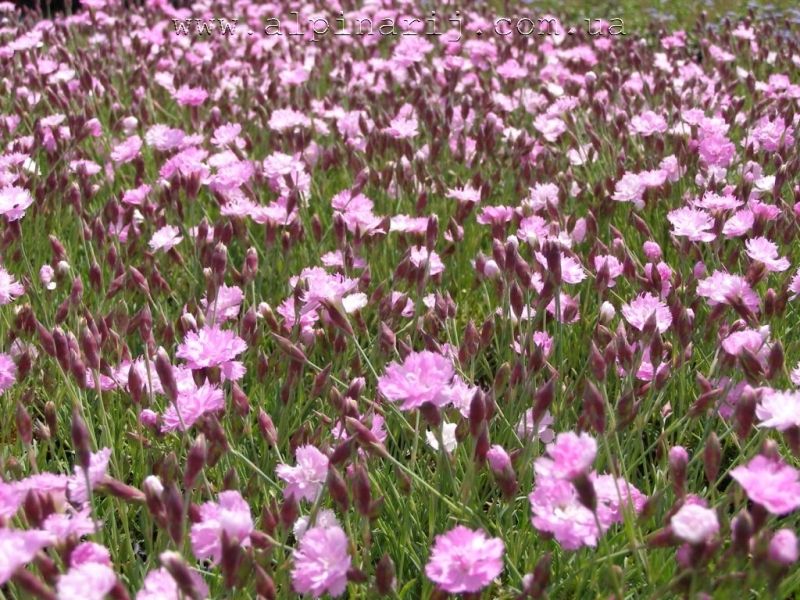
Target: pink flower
x,y
794,285
321,562
556,509
766,251
126,151
8,372
89,552
165,238
495,215
307,478
717,203
526,428
231,515
754,340
10,288
630,188
783,547
17,549
159,585
421,258
739,224
14,201
283,119
463,560
191,405
692,223
88,581
779,410
694,523
213,347
771,483
716,150
724,288
98,465
190,96
136,196
614,496
639,310
498,458
225,306
611,263
648,123
422,377
570,455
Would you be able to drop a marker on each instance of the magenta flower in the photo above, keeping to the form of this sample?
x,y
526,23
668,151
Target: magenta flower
x,y
10,288
126,151
8,372
88,581
766,251
771,483
694,523
692,223
463,560
321,562
213,347
307,478
639,310
231,515
14,201
191,405
569,456
422,377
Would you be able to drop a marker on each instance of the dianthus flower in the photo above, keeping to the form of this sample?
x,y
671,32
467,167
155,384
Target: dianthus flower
x,y
463,560
420,378
321,562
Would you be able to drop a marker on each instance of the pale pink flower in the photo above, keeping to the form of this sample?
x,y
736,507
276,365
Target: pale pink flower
x,y
98,465
231,515
569,456
422,258
630,188
126,151
225,306
556,509
190,96
212,346
159,585
14,201
17,549
724,288
527,429
771,483
8,372
165,238
766,251
88,581
192,404
640,309
692,223
321,562
306,479
783,547
284,119
739,224
463,560
612,264
648,123
420,378
694,523
10,288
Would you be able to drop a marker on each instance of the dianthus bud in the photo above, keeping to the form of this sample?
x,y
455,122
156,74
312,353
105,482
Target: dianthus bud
x,y
81,440
712,456
24,424
135,384
741,530
264,584
362,494
90,349
586,492
430,413
267,428
385,576
173,505
166,375
678,461
775,360
543,398
183,575
231,557
290,510
195,460
219,260
744,413
290,349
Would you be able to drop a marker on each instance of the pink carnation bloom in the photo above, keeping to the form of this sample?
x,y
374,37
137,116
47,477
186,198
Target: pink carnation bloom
x,y
225,306
692,223
754,340
8,372
190,96
771,483
14,201
98,465
614,496
527,429
648,123
630,188
89,552
231,514
724,288
794,285
17,549
88,581
307,478
420,378
165,238
717,203
783,547
421,258
495,215
611,263
191,405
10,288
126,151
283,119
159,585
766,251
321,562
213,347
739,224
694,523
639,310
556,509
568,457
463,560
136,196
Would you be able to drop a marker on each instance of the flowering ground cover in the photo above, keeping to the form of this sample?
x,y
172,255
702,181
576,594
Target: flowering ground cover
x,y
482,314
